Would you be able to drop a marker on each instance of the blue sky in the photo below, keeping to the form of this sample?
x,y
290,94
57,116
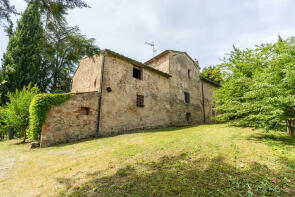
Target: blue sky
x,y
205,29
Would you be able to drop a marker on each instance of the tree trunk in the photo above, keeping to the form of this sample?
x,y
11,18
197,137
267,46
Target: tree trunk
x,y
11,134
25,137
290,128
54,83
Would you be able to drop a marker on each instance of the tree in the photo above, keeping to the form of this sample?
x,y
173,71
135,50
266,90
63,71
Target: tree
x,y
5,11
258,90
50,9
66,47
15,115
274,88
212,73
22,62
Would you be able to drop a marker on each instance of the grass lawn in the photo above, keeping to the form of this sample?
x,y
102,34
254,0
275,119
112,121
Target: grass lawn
x,y
205,160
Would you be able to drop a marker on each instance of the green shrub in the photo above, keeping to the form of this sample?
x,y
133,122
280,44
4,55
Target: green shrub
x,y
15,115
38,109
3,129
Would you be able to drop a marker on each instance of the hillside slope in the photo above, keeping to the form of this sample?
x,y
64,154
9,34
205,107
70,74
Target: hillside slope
x,y
205,160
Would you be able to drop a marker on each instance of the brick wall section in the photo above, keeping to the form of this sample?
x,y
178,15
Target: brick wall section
x,y
65,123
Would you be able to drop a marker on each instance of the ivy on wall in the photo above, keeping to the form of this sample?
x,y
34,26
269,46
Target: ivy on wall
x,y
39,106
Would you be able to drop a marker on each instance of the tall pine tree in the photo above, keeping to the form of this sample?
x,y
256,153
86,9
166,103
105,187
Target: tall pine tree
x,y
22,62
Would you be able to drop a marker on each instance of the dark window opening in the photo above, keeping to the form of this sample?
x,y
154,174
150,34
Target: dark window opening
x,y
139,101
84,111
213,111
109,89
188,116
186,97
189,74
137,73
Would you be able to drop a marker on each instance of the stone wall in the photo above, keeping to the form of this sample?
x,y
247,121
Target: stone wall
x,y
70,121
119,112
208,101
164,100
87,76
180,63
161,63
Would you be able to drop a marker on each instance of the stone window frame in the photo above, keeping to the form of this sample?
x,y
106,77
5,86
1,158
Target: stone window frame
x,y
139,100
189,74
140,72
187,97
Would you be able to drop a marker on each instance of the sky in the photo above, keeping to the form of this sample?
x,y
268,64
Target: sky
x,y
206,30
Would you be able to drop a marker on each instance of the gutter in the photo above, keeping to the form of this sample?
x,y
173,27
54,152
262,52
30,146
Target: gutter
x,y
100,96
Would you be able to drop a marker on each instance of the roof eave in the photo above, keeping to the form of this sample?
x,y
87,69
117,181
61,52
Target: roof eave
x,y
211,82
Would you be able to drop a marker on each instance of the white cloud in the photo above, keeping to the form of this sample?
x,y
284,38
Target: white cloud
x,y
205,29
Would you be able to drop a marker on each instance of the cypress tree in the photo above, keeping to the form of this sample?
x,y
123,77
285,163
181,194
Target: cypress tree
x,y
22,62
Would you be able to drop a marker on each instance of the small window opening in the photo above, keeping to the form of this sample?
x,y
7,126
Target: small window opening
x,y
109,89
186,97
139,100
137,73
84,111
189,74
188,116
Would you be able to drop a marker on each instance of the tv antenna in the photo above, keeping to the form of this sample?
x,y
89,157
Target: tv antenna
x,y
152,44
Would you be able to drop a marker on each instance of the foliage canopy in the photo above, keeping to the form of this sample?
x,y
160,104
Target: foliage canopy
x,y
213,73
15,115
22,62
259,87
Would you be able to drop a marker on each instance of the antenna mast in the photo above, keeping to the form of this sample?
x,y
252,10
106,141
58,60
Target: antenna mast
x,y
152,44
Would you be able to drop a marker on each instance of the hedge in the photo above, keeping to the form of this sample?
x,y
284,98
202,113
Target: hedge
x,y
39,106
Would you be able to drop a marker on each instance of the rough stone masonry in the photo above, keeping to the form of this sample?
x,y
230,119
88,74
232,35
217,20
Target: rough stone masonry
x,y
114,94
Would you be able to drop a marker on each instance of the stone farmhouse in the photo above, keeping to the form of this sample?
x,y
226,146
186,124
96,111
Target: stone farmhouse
x,y
113,94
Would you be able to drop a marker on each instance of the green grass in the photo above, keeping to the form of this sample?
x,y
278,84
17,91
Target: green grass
x,y
205,160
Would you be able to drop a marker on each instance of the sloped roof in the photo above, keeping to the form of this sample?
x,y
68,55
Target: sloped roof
x,y
135,62
211,82
167,51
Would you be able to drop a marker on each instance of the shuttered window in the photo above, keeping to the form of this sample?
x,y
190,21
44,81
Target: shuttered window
x,y
139,100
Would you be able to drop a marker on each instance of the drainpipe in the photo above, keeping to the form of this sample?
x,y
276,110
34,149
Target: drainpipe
x,y
100,95
203,102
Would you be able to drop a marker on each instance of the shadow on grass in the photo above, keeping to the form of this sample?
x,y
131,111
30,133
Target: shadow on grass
x,y
281,143
158,130
278,138
183,175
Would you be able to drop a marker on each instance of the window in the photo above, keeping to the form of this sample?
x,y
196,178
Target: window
x,y
137,73
84,111
139,101
189,74
186,97
188,116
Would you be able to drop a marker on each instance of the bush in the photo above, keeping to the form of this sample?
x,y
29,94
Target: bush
x,y
15,115
38,109
3,129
